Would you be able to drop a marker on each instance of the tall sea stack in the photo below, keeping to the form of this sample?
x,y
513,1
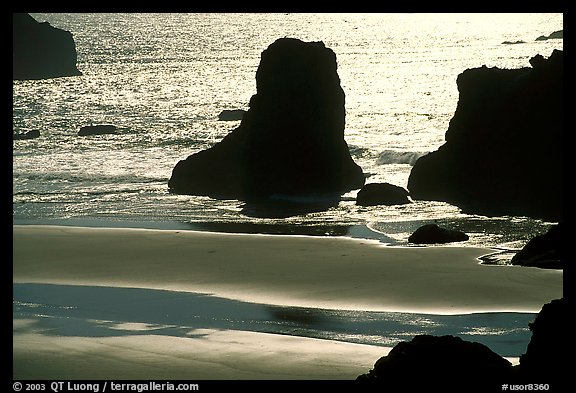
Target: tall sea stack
x,y
503,150
40,51
290,141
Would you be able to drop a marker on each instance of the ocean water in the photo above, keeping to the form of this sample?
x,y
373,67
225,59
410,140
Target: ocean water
x,y
162,79
98,311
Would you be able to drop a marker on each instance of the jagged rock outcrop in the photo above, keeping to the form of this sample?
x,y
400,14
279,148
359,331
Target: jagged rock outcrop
x,y
503,150
552,36
290,141
40,51
513,42
373,194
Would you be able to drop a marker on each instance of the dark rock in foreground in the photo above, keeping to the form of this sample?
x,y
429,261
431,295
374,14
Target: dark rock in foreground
x,y
231,114
555,35
433,234
547,354
290,141
437,361
382,194
504,145
41,51
27,135
542,251
448,363
100,129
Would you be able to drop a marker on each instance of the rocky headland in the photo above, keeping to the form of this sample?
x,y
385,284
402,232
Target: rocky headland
x,y
41,51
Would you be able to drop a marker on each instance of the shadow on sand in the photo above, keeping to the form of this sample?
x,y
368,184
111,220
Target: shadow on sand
x,y
91,311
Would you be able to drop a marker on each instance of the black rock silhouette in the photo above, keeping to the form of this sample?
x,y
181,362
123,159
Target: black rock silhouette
x,y
503,150
40,51
433,234
438,362
99,129
382,194
544,251
290,141
32,134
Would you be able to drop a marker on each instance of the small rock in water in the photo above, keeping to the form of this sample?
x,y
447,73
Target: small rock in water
x,y
433,234
231,114
27,135
382,194
100,129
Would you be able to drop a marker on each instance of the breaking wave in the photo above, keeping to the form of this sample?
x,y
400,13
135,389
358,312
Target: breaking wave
x,y
399,157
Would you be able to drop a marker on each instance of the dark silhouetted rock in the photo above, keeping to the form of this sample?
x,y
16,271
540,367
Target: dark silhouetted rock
x,y
555,35
382,194
433,234
431,362
41,51
438,362
513,42
27,135
290,141
547,354
503,151
100,129
231,114
542,251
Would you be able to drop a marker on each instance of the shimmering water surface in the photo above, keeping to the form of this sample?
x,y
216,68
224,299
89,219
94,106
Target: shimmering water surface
x,y
164,78
86,311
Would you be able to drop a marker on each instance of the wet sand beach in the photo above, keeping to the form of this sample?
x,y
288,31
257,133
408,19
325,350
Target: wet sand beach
x,y
288,271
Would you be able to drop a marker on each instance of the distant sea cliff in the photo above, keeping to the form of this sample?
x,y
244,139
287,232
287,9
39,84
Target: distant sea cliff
x,y
40,51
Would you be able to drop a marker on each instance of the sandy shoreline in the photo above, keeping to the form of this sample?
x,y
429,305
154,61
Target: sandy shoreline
x,y
332,273
206,354
303,271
